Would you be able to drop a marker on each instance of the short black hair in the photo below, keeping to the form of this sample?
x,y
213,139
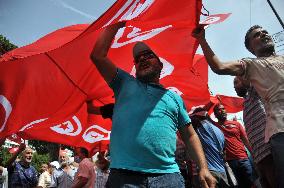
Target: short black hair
x,y
84,151
216,107
247,36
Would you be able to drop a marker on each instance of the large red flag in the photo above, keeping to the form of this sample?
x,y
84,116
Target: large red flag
x,y
44,86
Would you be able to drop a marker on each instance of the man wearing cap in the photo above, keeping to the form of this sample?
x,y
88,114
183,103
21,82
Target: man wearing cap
x,y
145,119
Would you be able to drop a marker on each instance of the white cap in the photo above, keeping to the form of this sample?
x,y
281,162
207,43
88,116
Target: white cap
x,y
55,164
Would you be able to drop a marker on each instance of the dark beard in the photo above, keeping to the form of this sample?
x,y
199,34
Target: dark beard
x,y
268,51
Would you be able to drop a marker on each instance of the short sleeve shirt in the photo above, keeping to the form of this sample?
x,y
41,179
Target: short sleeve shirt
x,y
234,146
86,169
267,77
213,141
145,120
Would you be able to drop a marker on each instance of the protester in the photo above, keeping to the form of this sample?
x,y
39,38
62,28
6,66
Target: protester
x,y
22,173
255,120
183,160
235,152
145,120
102,170
45,177
266,75
213,143
3,170
63,176
43,168
3,176
86,175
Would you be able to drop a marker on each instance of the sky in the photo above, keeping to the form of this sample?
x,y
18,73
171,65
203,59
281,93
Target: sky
x,y
23,22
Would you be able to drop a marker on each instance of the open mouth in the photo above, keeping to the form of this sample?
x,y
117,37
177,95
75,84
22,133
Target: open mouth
x,y
266,39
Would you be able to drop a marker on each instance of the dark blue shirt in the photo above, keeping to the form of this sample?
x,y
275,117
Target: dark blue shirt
x,y
22,176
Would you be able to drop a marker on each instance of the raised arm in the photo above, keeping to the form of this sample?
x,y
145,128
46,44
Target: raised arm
x,y
195,150
99,54
233,68
14,156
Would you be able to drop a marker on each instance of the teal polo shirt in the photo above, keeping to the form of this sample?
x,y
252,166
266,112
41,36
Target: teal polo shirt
x,y
144,124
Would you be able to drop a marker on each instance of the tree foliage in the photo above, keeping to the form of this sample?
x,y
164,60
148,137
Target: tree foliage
x,y
39,159
5,45
42,148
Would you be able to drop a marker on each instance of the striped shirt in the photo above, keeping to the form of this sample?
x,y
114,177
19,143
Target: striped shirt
x,y
101,178
255,121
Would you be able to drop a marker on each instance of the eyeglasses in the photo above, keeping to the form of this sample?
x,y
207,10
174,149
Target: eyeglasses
x,y
144,57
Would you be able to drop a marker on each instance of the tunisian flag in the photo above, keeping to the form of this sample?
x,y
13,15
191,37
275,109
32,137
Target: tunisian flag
x,y
44,86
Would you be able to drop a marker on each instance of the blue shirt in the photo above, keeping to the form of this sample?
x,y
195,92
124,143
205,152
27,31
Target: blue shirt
x,y
22,176
144,124
212,140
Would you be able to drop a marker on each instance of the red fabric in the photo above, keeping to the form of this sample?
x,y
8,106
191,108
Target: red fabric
x,y
216,18
231,104
13,150
44,85
15,138
234,146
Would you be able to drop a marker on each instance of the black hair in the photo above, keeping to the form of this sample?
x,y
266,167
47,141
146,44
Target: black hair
x,y
84,151
216,107
247,36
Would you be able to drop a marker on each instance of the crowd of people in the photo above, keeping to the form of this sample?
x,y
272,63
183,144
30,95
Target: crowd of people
x,y
155,142
18,171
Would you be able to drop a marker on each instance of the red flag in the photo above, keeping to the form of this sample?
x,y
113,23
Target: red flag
x,y
44,86
214,19
231,104
15,138
13,150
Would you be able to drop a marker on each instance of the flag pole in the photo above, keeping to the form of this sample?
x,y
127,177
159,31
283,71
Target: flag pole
x,y
276,14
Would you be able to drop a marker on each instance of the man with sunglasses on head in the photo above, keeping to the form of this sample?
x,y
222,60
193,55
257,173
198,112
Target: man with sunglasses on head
x,y
266,74
145,119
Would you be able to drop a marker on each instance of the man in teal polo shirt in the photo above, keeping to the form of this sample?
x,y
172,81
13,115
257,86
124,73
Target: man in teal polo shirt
x,y
145,119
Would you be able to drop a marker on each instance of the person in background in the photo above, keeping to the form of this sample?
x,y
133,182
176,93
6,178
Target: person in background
x,y
213,143
63,176
45,177
86,175
183,160
102,170
255,120
22,174
236,140
43,167
3,172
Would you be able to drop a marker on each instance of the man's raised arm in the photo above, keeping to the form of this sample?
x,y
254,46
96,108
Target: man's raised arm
x,y
99,54
233,68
